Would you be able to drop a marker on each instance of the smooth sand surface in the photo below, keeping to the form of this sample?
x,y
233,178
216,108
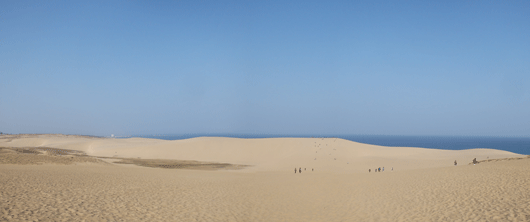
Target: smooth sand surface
x,y
424,185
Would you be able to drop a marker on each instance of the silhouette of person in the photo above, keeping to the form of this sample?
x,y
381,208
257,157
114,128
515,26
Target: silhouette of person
x,y
300,170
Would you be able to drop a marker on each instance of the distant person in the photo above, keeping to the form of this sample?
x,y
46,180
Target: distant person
x,y
455,163
312,169
369,170
379,169
383,169
295,170
475,161
304,169
300,170
392,168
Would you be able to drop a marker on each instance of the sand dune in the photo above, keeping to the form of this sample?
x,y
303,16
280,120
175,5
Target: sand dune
x,y
424,186
277,154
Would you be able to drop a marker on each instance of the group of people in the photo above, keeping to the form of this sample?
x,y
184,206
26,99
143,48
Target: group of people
x,y
474,161
379,169
300,169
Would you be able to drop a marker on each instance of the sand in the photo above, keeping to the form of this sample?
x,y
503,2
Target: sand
x,y
424,185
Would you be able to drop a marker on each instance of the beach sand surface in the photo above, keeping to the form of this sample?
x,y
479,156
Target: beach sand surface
x,y
51,185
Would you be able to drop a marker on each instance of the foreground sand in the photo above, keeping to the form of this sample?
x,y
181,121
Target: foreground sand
x,y
414,191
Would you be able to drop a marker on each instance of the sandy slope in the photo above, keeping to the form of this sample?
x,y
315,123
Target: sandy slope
x,y
486,192
279,154
424,185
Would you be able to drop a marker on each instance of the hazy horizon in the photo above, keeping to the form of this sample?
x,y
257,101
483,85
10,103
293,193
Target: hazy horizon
x,y
275,67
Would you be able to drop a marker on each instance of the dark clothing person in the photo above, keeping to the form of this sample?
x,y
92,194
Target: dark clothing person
x,y
300,170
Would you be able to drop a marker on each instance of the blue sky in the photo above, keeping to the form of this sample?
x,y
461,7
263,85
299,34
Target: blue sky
x,y
277,67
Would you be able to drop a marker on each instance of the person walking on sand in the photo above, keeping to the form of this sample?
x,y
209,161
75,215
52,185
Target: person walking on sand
x,y
300,170
369,170
455,163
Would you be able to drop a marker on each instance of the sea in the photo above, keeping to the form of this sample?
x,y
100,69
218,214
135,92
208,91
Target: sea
x,y
520,145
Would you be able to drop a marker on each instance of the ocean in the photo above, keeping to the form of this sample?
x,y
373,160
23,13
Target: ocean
x,y
520,145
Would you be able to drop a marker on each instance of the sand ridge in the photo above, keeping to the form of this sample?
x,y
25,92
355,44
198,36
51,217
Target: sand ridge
x,y
271,154
46,155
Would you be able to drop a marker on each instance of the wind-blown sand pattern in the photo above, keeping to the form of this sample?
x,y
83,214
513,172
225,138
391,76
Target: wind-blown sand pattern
x,y
71,178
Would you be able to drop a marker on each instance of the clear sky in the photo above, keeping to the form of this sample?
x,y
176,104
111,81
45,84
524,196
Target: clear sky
x,y
275,67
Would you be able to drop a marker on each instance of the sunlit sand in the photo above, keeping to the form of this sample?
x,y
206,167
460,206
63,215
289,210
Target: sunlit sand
x,y
75,178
